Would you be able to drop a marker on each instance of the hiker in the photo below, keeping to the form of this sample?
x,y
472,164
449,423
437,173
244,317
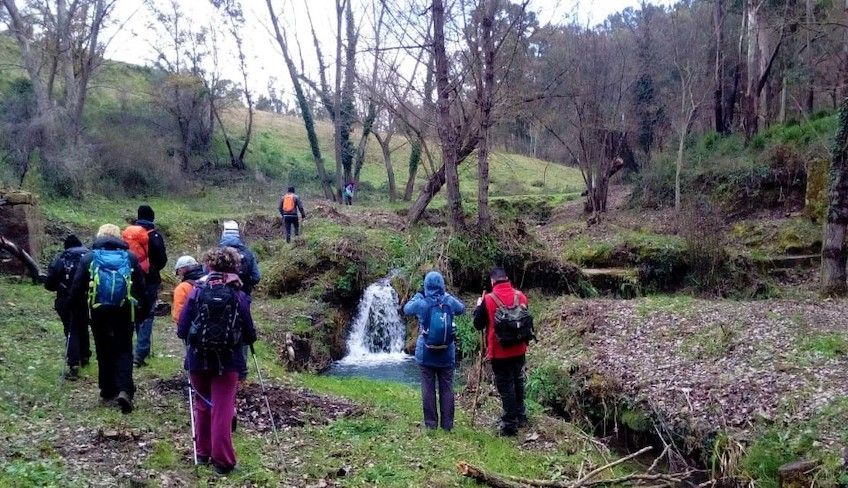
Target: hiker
x,y
60,277
248,269
189,271
109,283
505,351
145,241
216,323
290,205
348,193
435,349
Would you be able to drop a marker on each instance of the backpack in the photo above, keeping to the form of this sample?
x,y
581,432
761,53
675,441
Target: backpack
x,y
289,203
138,240
215,327
513,325
438,326
70,262
111,279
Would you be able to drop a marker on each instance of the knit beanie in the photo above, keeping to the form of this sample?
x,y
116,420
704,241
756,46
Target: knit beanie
x,y
145,212
72,241
231,228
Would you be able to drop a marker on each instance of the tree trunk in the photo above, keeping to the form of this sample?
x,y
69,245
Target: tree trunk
x,y
718,96
751,105
303,104
385,147
414,161
783,95
337,106
808,55
484,217
434,184
447,131
833,247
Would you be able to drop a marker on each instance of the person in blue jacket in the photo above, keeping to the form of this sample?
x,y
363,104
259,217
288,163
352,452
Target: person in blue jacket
x,y
435,349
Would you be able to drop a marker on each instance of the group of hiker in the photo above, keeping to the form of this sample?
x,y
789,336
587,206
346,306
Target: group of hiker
x,y
113,286
503,318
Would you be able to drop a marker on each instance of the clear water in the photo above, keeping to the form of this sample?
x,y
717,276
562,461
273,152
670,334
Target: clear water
x,y
376,340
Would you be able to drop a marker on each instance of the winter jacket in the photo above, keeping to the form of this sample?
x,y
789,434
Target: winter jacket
x,y
249,271
298,206
156,252
56,279
182,291
484,318
219,363
80,285
420,305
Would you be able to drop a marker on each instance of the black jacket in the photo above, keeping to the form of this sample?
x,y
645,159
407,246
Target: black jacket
x,y
156,252
56,279
80,286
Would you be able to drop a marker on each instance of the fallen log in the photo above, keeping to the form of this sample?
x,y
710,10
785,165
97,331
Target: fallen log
x,y
32,266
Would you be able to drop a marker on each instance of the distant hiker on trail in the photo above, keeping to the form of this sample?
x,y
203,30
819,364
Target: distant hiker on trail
x,y
290,205
248,269
347,193
504,315
148,246
435,349
189,271
216,323
60,276
110,284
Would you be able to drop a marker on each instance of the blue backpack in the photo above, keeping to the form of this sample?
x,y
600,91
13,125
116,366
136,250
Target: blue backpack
x,y
438,326
111,279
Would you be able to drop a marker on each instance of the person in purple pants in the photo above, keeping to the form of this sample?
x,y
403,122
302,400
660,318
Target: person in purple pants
x,y
435,349
214,373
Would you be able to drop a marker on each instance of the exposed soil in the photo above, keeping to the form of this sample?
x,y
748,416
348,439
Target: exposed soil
x,y
292,407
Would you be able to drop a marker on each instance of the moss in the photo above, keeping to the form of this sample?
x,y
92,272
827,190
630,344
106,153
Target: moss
x,y
635,419
815,202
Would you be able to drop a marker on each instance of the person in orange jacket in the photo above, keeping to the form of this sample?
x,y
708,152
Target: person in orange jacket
x,y
189,271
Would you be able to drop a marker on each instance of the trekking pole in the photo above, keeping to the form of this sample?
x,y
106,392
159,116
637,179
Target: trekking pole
x,y
267,405
191,415
479,377
65,360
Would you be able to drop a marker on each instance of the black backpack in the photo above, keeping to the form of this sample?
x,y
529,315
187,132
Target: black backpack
x,y
70,261
216,326
513,325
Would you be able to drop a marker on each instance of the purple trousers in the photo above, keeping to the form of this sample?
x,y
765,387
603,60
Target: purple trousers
x,y
213,426
430,377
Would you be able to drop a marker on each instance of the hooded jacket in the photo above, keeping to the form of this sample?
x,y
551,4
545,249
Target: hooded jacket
x,y
232,361
56,280
484,319
156,252
182,291
79,287
249,272
420,305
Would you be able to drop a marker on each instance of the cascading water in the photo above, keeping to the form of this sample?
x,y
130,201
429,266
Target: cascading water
x,y
377,336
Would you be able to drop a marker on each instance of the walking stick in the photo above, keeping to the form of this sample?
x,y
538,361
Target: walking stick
x,y
191,414
65,360
268,406
479,376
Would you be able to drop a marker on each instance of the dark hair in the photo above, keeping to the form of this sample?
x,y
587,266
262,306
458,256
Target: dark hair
x,y
72,241
145,212
223,259
291,189
497,274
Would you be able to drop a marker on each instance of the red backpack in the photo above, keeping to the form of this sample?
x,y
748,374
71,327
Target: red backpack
x,y
138,240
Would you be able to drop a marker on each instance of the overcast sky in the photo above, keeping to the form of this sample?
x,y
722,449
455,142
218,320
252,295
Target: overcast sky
x,y
132,44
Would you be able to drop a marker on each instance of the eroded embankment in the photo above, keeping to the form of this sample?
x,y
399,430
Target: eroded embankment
x,y
735,387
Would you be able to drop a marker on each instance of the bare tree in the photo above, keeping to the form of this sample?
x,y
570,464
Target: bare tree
x,y
834,252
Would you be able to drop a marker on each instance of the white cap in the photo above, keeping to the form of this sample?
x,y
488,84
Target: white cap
x,y
184,261
230,228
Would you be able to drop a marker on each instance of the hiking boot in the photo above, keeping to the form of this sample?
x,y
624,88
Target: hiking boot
x,y
234,425
125,402
85,362
222,471
523,422
203,460
72,374
139,363
507,430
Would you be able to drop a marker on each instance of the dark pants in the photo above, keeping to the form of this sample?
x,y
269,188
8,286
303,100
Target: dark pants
x,y
113,331
509,380
144,329
75,324
429,378
290,221
348,200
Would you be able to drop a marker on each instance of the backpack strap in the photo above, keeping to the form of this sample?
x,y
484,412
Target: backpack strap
x,y
516,302
497,300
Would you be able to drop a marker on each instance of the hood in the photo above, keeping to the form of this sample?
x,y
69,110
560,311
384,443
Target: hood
x,y
229,278
145,223
434,284
195,273
231,241
109,242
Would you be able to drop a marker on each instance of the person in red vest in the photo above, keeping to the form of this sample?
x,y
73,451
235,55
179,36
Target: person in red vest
x,y
507,361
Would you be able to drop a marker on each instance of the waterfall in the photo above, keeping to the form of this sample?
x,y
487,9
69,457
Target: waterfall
x,y
377,332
